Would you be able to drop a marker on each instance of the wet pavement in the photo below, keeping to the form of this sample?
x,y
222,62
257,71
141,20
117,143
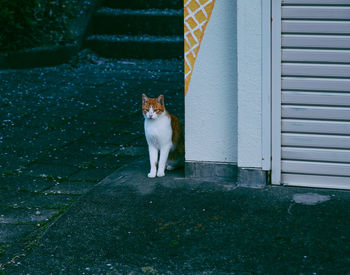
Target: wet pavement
x,y
64,129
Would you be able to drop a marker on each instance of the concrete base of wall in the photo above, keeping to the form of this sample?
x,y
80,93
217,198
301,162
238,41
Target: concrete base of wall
x,y
247,177
252,177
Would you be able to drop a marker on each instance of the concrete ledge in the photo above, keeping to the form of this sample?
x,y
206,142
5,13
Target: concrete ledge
x,y
246,177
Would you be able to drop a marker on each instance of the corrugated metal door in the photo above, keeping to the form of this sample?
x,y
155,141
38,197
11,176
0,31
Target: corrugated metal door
x,y
313,82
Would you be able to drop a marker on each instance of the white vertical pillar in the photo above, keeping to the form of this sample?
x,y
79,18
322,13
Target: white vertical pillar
x,y
276,92
266,84
249,51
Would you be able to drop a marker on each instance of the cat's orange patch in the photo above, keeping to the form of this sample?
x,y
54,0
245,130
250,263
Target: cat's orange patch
x,y
177,139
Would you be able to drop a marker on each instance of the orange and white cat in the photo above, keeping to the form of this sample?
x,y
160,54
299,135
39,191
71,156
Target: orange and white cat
x,y
164,136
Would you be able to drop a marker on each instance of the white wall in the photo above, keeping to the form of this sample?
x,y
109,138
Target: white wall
x,y
211,100
249,52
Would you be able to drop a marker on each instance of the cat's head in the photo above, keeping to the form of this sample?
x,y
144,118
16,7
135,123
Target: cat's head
x,y
152,108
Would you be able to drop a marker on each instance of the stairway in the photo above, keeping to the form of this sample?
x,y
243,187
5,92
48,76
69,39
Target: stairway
x,y
147,29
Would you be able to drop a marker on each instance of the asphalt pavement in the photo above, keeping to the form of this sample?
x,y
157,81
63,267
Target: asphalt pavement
x,y
130,224
64,129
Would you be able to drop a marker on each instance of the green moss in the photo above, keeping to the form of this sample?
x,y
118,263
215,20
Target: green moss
x,y
32,240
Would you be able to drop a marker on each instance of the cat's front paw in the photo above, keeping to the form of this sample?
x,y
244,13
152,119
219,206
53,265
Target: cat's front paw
x,y
151,174
160,174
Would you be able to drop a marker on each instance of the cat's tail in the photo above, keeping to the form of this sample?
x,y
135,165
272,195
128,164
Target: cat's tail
x,y
174,164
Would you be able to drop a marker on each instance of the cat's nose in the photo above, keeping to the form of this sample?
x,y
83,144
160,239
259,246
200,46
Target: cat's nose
x,y
150,115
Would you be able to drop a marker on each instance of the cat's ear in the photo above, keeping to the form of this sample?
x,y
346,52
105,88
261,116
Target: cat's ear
x,y
160,99
144,99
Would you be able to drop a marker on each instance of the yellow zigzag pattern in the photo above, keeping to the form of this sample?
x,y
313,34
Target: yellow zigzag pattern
x,y
197,14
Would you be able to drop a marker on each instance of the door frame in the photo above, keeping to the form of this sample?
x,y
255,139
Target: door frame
x,y
276,84
266,84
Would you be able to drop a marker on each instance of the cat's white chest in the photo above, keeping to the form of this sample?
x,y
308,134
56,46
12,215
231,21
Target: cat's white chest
x,y
158,131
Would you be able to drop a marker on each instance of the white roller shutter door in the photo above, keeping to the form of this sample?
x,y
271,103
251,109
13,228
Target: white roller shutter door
x,y
315,93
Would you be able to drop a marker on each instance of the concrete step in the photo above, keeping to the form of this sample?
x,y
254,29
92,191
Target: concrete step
x,y
140,46
137,22
144,4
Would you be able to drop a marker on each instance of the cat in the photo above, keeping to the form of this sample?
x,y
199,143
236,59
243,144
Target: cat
x,y
164,135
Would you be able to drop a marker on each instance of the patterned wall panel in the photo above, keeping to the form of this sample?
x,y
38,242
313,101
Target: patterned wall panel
x,y
197,14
